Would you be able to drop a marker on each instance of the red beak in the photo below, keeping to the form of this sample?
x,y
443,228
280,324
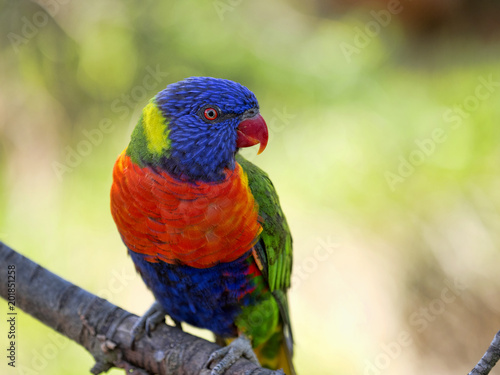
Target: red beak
x,y
251,131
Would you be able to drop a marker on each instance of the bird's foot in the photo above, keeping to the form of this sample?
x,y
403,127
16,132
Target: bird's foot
x,y
147,323
239,348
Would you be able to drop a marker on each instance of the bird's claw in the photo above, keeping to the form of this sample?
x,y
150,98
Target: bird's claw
x,y
148,322
239,348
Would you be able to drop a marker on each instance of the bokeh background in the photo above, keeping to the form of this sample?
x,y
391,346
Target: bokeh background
x,y
384,120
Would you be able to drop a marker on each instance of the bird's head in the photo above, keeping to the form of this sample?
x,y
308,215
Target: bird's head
x,y
194,128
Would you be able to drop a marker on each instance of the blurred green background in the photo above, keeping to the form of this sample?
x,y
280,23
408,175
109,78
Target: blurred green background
x,y
384,121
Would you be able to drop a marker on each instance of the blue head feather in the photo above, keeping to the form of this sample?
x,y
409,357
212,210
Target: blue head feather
x,y
201,149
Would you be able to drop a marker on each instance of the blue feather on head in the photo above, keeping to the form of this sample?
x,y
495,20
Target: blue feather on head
x,y
201,147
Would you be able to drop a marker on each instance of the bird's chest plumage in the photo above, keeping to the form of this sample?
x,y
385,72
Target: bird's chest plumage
x,y
191,242
178,222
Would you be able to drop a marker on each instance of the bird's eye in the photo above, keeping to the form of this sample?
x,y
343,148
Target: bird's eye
x,y
210,114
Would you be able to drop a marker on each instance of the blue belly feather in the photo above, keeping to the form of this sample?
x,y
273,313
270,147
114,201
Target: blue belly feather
x,y
208,298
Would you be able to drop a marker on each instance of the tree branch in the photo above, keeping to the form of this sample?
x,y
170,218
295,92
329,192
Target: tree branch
x,y
489,359
103,328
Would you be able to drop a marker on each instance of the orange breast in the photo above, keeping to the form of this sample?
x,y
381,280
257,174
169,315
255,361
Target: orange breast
x,y
197,224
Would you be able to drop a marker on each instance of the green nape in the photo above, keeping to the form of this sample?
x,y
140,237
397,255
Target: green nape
x,y
149,140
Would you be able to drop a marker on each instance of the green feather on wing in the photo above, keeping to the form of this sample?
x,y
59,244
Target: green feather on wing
x,y
274,249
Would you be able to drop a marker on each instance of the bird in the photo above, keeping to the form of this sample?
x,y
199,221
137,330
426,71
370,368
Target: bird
x,y
203,225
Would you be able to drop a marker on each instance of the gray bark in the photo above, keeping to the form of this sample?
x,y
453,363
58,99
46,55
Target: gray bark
x,y
105,329
490,358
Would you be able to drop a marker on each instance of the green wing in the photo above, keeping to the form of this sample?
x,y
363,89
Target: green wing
x,y
274,248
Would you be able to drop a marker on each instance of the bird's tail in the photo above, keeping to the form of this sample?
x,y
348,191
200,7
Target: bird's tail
x,y
276,353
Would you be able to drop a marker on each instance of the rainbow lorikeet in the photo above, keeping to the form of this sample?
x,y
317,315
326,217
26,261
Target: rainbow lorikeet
x,y
203,225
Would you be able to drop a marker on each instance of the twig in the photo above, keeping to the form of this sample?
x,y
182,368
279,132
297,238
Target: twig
x,y
490,358
105,329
